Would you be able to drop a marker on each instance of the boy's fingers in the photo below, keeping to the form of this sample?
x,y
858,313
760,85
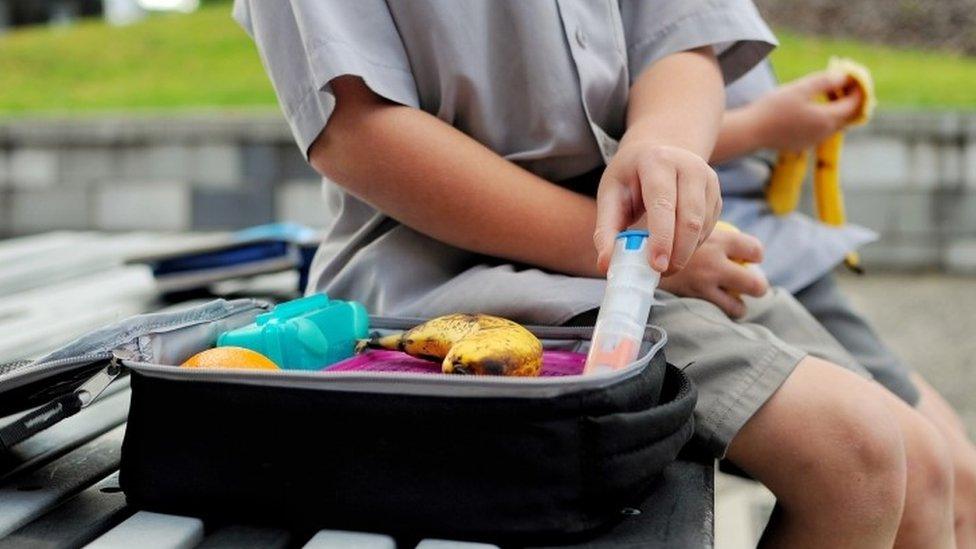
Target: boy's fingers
x,y
744,247
690,220
717,213
612,201
659,193
739,279
821,82
713,205
843,109
734,307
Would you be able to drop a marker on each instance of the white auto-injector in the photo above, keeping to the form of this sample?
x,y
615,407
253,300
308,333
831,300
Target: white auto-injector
x,y
626,305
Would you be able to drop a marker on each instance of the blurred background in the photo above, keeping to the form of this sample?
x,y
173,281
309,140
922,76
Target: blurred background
x,y
106,105
136,115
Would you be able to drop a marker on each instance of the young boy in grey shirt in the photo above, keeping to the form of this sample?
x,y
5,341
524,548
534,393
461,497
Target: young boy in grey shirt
x,y
462,142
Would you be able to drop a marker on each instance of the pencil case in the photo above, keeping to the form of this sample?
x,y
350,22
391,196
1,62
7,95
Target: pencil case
x,y
499,459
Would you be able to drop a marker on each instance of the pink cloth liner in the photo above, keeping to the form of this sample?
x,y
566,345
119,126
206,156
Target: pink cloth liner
x,y
554,363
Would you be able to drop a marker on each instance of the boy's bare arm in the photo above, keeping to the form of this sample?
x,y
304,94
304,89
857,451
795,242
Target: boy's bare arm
x,y
439,181
739,135
679,102
674,111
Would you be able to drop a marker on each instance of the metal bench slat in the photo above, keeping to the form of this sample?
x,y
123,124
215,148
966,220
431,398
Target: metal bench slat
x,y
448,544
76,521
341,539
158,530
30,494
106,413
239,536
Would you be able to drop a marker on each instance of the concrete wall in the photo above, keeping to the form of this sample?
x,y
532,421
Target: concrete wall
x,y
156,173
911,176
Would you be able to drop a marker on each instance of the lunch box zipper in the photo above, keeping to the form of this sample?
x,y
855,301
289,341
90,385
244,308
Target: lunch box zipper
x,y
65,405
27,371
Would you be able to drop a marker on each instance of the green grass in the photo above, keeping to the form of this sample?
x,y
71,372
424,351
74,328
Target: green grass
x,y
205,60
198,60
904,78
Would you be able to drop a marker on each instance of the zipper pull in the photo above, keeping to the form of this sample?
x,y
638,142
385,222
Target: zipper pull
x,y
62,407
96,385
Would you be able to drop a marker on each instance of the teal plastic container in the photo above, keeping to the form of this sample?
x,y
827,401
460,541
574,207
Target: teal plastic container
x,y
310,333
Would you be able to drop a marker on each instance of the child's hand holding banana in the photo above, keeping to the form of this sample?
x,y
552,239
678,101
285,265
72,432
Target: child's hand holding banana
x,y
847,93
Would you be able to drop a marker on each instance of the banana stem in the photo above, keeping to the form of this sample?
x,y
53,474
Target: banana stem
x,y
390,342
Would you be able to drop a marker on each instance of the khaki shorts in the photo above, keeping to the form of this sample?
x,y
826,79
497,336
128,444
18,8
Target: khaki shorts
x,y
831,308
738,364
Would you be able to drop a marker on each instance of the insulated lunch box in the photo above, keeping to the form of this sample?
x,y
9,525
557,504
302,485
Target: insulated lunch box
x,y
459,457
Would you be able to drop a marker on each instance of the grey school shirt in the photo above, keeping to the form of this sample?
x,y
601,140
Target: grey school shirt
x,y
543,83
799,250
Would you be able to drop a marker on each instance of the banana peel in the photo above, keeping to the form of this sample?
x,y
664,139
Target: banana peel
x,y
783,192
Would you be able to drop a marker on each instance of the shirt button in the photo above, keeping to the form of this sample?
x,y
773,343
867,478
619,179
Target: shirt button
x,y
581,37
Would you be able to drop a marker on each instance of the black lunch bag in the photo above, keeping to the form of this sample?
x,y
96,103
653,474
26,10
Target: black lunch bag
x,y
459,457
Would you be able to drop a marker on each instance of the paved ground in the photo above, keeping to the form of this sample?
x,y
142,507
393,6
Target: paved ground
x,y
930,320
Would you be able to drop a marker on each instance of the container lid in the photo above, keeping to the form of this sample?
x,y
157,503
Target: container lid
x,y
633,237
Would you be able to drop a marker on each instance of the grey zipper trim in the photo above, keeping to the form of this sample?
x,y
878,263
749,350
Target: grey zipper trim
x,y
410,383
9,367
34,372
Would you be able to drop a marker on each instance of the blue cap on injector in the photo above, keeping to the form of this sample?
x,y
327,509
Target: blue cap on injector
x,y
634,237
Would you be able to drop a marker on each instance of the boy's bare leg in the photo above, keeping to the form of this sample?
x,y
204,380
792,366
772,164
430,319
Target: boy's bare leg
x,y
933,406
929,517
846,464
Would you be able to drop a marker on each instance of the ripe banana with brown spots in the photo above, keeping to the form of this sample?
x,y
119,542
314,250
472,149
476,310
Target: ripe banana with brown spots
x,y
472,344
786,181
783,192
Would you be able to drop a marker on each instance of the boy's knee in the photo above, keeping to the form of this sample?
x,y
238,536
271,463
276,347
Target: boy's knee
x,y
964,477
828,446
851,446
964,467
863,446
932,463
928,511
964,499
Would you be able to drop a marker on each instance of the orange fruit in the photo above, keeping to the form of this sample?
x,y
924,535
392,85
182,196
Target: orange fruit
x,y
230,357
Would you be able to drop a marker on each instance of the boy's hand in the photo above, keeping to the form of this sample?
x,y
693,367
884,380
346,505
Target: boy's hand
x,y
676,189
714,275
793,118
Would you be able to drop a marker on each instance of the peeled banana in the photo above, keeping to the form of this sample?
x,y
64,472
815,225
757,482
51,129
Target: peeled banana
x,y
473,344
783,192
